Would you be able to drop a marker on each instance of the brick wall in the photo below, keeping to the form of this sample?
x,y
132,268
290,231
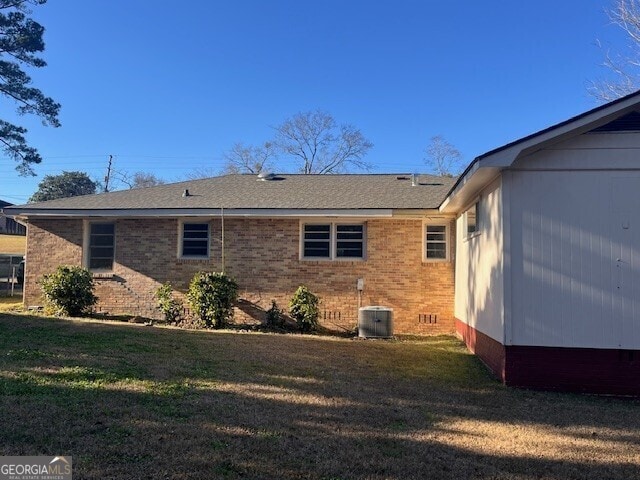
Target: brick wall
x,y
49,244
263,256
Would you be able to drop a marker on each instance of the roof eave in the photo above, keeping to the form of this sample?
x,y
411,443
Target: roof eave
x,y
27,213
484,168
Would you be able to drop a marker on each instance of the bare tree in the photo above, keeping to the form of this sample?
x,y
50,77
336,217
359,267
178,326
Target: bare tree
x,y
319,145
201,173
249,158
625,66
138,179
443,158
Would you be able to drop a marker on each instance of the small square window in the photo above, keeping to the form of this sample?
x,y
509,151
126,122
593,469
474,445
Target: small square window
x,y
317,241
195,240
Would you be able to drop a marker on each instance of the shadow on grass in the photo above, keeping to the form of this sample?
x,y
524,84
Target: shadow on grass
x,y
132,402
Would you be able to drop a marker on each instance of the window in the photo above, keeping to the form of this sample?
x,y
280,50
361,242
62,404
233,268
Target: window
x,y
101,246
471,220
317,241
332,241
349,241
436,242
195,240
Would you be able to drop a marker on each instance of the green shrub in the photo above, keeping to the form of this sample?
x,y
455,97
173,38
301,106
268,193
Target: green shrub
x,y
304,309
211,296
167,304
275,316
69,291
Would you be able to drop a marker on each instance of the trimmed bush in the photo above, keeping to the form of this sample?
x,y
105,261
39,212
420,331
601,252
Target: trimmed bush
x,y
275,316
304,309
211,296
69,291
167,304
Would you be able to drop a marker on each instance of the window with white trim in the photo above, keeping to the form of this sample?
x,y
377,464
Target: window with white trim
x,y
333,241
195,240
471,219
101,246
349,241
436,242
317,241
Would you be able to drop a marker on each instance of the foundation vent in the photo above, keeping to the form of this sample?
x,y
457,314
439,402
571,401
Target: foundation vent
x,y
331,315
427,318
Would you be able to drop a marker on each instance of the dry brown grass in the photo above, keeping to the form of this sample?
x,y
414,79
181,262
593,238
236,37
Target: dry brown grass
x,y
8,304
14,244
138,402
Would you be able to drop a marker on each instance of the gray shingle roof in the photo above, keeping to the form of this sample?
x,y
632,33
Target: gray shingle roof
x,y
376,191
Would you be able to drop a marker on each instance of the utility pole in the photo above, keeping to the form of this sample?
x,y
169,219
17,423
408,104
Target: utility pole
x,y
108,175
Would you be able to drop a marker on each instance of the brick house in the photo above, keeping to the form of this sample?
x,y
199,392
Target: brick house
x,y
532,255
9,225
271,235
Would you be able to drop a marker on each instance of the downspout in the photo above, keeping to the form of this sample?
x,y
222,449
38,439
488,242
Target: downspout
x,y
222,235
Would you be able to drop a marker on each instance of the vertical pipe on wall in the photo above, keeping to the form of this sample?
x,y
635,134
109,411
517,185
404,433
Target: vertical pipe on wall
x,y
222,235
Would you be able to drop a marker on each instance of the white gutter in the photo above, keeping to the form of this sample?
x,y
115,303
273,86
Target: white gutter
x,y
203,212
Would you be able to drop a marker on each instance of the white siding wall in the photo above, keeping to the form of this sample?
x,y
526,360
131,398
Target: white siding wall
x,y
479,268
575,245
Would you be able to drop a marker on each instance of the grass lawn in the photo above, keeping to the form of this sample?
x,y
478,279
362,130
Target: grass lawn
x,y
16,244
145,402
8,303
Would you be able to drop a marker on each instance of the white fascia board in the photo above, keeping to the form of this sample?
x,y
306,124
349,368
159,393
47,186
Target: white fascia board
x,y
463,181
504,157
469,188
204,212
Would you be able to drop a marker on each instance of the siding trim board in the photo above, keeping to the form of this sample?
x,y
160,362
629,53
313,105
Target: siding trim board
x,y
489,351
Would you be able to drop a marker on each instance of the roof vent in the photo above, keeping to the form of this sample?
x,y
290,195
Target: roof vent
x,y
264,176
414,180
186,193
627,123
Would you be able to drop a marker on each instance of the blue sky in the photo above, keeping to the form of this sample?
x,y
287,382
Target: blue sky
x,y
167,88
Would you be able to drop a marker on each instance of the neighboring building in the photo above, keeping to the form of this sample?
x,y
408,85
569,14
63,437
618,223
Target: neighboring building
x,y
544,231
9,225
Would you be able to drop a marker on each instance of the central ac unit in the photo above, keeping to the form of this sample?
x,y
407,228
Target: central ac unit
x,y
375,322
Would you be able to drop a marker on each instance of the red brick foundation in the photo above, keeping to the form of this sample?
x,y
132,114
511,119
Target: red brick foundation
x,y
585,370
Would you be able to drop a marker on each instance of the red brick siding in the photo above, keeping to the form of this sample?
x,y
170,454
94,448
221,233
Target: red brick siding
x,y
263,256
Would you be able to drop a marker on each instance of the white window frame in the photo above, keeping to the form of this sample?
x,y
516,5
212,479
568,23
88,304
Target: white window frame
x,y
333,241
447,230
465,220
86,245
181,225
